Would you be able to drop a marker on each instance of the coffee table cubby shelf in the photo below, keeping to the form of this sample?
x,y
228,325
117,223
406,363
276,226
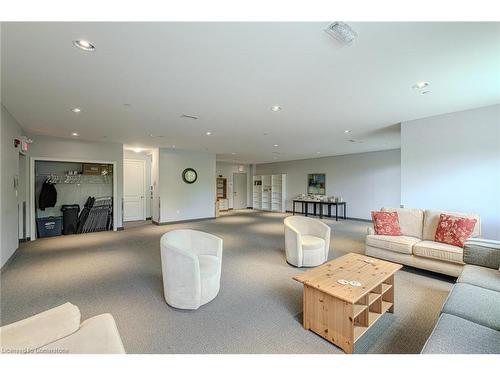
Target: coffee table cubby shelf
x,y
341,313
369,308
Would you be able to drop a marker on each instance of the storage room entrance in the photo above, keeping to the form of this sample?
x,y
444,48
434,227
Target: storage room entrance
x,y
72,198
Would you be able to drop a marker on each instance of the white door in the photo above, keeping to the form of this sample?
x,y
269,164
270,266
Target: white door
x,y
239,190
134,190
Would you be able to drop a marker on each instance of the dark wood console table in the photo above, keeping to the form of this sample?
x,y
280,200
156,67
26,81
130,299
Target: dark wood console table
x,y
305,204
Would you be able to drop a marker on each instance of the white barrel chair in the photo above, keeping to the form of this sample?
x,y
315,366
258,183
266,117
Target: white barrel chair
x,y
191,264
307,241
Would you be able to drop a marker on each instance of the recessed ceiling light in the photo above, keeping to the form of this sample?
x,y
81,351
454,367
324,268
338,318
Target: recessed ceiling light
x,y
276,145
420,85
347,131
137,150
209,133
83,45
426,92
76,110
318,152
74,134
276,108
156,136
233,153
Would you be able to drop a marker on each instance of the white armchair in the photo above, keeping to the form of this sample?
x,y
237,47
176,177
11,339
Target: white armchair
x,y
60,331
307,241
191,264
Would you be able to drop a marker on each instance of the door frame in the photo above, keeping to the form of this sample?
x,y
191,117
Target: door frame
x,y
145,188
33,159
246,190
23,178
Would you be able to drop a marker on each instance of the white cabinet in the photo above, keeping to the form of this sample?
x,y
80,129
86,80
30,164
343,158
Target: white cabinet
x,y
269,192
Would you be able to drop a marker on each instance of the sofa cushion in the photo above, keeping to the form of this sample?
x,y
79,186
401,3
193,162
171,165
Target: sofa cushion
x,y
431,220
410,220
312,242
480,276
386,223
97,335
440,251
482,252
455,335
40,329
399,244
454,230
479,305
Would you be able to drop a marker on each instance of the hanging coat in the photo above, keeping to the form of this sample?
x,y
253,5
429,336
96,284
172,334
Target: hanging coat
x,y
48,196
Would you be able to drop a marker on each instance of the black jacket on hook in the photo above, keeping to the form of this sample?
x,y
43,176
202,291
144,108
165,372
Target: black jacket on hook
x,y
48,196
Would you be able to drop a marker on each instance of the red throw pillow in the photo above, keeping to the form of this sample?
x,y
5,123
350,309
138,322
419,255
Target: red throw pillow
x,y
454,230
386,223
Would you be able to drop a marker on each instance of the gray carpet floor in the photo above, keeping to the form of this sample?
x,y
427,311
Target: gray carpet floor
x,y
259,306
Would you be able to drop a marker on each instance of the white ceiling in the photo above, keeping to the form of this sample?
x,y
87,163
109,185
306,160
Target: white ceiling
x,y
230,74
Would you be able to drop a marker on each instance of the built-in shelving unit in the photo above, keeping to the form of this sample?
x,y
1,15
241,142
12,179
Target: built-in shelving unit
x,y
221,188
269,192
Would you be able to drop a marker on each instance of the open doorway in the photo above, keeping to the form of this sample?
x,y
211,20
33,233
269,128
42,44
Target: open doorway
x,y
239,191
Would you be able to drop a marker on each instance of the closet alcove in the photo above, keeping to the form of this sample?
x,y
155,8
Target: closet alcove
x,y
72,198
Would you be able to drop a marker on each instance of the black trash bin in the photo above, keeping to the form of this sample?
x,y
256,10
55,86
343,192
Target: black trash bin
x,y
49,226
70,218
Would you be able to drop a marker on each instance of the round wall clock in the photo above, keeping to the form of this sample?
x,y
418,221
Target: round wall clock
x,y
189,175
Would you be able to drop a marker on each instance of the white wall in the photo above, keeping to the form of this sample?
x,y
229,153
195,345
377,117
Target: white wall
x,y
179,200
366,181
227,169
72,149
452,162
127,154
10,129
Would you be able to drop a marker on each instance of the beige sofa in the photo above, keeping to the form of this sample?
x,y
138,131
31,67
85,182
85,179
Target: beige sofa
x,y
58,331
416,246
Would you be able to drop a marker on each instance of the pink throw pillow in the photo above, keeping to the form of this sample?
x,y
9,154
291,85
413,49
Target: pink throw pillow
x,y
386,223
454,230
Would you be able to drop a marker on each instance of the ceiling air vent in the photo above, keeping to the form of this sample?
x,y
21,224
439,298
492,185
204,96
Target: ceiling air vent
x,y
342,32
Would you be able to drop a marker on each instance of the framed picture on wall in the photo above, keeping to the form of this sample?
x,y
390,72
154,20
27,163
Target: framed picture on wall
x,y
316,183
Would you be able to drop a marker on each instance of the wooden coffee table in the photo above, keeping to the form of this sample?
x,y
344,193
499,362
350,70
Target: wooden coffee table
x,y
343,313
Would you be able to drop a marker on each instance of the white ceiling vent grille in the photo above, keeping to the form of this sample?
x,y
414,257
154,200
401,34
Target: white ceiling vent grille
x,y
342,32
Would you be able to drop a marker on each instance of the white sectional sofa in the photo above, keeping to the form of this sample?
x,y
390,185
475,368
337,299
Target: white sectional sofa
x,y
416,246
59,331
